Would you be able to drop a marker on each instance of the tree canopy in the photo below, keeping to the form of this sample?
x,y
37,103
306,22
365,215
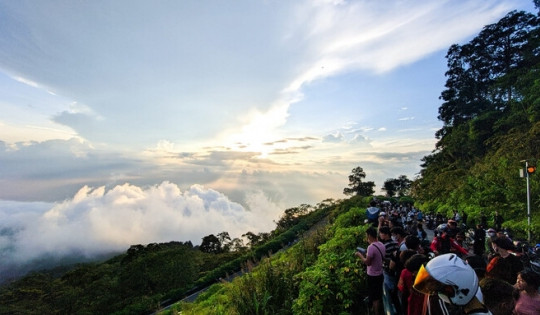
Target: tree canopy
x,y
357,186
491,123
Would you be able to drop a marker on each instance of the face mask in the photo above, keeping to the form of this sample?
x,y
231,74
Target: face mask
x,y
394,238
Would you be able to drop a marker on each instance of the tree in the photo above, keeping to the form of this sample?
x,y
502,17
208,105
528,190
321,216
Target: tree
x,y
400,186
210,244
403,185
356,186
224,239
390,187
253,239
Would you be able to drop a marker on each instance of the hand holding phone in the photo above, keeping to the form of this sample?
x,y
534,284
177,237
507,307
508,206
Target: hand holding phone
x,y
361,250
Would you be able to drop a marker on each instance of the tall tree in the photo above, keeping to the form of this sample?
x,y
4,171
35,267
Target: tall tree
x,y
357,186
210,244
400,186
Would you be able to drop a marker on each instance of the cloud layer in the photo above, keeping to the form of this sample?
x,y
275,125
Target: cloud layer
x,y
99,220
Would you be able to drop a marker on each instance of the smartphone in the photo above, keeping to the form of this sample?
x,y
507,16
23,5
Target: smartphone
x,y
362,250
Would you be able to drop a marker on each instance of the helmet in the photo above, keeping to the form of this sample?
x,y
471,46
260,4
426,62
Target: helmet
x,y
450,277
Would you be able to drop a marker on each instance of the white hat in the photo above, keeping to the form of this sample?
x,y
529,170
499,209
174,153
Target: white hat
x,y
382,213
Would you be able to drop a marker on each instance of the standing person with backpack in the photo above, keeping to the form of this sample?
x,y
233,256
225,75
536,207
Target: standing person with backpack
x,y
373,259
372,213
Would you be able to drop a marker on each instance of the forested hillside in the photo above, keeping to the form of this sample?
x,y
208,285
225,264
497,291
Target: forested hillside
x,y
491,123
148,276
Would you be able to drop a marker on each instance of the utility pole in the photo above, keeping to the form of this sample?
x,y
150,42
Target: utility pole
x,y
528,171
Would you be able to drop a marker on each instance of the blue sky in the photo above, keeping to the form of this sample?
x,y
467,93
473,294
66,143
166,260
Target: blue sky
x,y
237,110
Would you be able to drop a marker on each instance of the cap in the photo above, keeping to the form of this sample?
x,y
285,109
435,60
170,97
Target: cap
x,y
382,213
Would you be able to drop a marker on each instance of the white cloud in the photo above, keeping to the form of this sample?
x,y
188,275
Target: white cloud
x,y
406,118
337,137
167,74
100,220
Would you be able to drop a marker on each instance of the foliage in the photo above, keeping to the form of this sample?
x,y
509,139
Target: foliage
x,y
491,115
357,186
400,186
334,283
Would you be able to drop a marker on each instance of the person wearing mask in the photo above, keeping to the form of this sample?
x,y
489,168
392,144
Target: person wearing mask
x,y
373,259
504,265
398,236
527,283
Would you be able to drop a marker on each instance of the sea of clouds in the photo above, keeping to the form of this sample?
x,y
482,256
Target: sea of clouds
x,y
101,220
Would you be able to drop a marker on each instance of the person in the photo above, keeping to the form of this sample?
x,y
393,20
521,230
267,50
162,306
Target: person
x,y
452,229
411,228
504,265
483,220
464,217
422,234
383,221
492,235
479,246
420,216
372,213
373,259
456,216
390,278
497,221
527,283
460,239
403,295
478,263
415,300
413,242
444,244
453,281
398,235
499,296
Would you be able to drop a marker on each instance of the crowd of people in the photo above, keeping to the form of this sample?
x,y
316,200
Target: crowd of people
x,y
444,274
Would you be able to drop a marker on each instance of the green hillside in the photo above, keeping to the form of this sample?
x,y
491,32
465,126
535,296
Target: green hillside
x,y
491,125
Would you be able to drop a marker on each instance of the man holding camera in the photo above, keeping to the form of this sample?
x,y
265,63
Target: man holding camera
x,y
373,258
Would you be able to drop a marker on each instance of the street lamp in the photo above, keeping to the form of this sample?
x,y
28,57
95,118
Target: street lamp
x,y
529,169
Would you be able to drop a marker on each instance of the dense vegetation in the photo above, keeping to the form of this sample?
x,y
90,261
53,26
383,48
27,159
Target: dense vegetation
x,y
491,123
138,281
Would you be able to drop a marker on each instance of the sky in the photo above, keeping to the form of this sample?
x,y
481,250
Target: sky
x,y
131,122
